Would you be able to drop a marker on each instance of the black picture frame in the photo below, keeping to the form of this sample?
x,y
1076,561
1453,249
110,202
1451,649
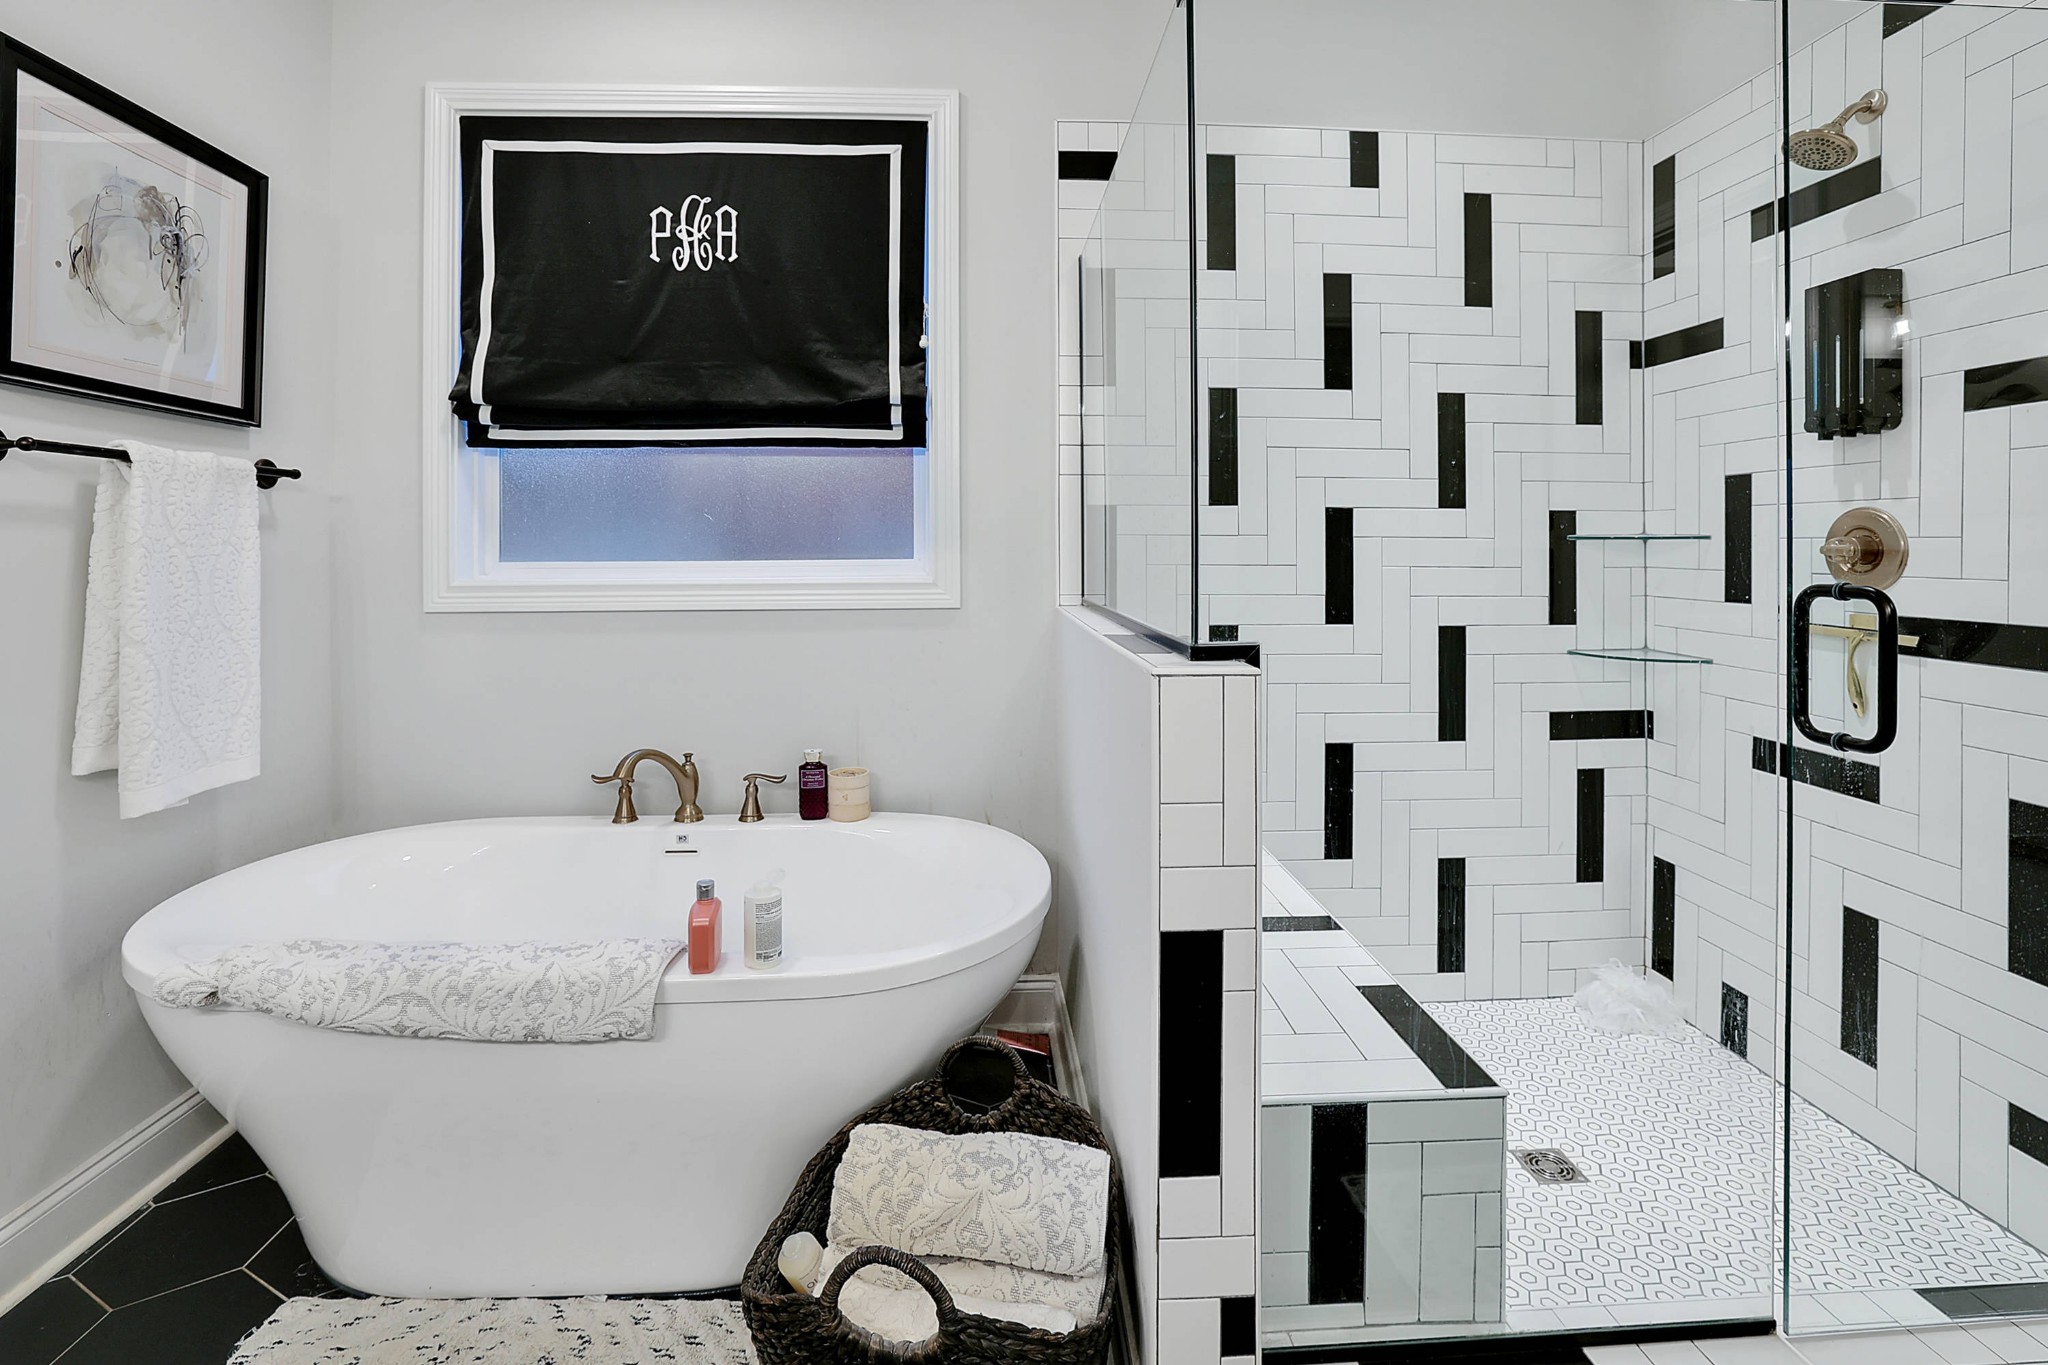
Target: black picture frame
x,y
17,60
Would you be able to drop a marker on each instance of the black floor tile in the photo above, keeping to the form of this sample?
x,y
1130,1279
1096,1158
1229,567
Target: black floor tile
x,y
196,1325
38,1329
103,1243
187,1240
233,1160
288,1267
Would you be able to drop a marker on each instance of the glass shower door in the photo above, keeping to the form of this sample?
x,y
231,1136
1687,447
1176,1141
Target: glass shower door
x,y
1915,791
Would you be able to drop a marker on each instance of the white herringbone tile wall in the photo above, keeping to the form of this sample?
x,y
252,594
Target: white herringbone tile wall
x,y
1953,201
1566,235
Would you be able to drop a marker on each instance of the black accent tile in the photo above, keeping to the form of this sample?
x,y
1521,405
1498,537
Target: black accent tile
x,y
1586,334
1564,569
1734,1020
2027,891
287,1266
1819,769
1479,251
2027,1133
1738,536
1365,161
187,1240
1602,725
1664,919
1426,1038
191,1326
1992,643
1450,914
1336,331
1336,1229
1897,17
1238,1329
1592,861
1859,985
1990,1300
39,1328
2007,385
1682,344
1087,165
1223,447
1450,450
1860,182
1763,222
1191,1052
1664,218
233,1160
1337,779
1222,216
1450,682
1220,634
1338,549
1635,355
1298,924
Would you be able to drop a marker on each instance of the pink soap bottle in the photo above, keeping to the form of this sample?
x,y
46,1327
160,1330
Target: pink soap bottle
x,y
704,929
811,799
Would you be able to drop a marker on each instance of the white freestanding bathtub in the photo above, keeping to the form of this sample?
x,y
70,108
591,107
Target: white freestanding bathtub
x,y
434,1167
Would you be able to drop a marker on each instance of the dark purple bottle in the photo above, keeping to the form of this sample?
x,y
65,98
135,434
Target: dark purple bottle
x,y
811,801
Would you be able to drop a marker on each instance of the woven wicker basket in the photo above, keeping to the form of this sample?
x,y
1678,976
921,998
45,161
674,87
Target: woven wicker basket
x,y
802,1329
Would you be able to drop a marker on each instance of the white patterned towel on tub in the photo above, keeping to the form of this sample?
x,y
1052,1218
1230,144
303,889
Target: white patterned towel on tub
x,y
171,679
487,992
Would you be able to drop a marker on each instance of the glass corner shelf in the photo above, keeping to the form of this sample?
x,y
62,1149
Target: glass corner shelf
x,y
1642,535
1640,656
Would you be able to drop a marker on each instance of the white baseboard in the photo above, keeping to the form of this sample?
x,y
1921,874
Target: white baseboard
x,y
39,1238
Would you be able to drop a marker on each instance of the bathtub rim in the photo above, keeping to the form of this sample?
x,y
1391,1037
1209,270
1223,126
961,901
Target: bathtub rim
x,y
146,954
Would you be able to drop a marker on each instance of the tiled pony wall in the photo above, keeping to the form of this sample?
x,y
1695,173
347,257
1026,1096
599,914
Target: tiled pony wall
x,y
1920,912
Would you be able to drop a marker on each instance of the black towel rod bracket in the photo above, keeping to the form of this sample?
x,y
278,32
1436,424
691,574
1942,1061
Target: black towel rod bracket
x,y
267,474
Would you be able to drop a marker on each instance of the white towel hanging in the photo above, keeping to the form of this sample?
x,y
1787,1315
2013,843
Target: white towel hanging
x,y
170,685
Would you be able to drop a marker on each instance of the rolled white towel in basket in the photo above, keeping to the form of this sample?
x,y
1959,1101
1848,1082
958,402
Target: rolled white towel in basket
x,y
893,1306
1014,1199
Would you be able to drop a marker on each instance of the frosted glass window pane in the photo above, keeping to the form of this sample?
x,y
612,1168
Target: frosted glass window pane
x,y
701,504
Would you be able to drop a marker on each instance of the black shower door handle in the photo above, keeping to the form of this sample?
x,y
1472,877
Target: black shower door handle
x,y
1887,667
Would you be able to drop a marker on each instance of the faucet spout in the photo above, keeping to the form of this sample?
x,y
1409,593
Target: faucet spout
x,y
685,774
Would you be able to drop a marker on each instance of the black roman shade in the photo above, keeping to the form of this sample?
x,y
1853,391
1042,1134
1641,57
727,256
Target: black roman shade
x,y
692,281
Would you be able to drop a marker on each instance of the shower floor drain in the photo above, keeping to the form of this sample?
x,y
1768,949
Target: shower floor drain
x,y
1549,1166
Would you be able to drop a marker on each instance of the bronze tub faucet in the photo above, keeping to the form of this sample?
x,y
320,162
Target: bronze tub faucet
x,y
685,774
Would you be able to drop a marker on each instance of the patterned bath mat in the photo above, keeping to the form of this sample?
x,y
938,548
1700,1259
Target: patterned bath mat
x,y
500,1332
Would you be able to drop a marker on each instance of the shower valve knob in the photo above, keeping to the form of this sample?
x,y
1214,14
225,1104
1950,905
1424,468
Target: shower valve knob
x,y
1866,545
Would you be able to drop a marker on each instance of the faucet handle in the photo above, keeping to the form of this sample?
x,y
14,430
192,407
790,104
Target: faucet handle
x,y
689,812
750,809
623,813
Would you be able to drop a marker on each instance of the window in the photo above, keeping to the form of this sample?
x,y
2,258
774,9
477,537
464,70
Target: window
x,y
522,517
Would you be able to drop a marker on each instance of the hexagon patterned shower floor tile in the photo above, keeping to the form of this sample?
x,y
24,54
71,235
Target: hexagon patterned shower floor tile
x,y
1678,1141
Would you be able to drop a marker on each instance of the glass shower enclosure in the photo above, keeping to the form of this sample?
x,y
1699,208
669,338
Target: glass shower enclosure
x,y
1621,439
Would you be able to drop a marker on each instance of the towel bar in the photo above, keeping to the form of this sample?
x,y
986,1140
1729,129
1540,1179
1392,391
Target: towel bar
x,y
267,474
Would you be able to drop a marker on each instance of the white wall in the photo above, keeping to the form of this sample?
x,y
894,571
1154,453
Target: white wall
x,y
1562,68
447,716
77,1067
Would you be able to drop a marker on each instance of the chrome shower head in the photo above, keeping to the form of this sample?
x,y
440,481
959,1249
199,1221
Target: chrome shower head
x,y
1830,148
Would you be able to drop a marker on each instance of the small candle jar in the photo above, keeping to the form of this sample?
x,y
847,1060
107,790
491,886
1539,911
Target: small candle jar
x,y
846,793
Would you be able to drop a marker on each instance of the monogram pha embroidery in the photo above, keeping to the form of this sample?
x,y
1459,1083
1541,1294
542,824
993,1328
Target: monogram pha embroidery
x,y
701,234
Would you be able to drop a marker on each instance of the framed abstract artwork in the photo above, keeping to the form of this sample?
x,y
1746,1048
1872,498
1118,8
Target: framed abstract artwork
x,y
133,269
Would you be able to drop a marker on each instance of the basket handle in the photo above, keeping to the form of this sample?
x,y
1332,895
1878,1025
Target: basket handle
x,y
979,1042
949,1315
